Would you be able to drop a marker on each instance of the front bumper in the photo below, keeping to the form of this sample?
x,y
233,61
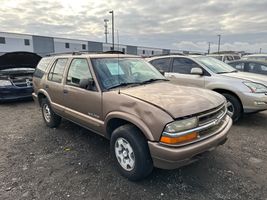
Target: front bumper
x,y
253,102
167,157
15,93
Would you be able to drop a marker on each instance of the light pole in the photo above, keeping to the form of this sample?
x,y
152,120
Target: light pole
x,y
209,48
106,29
219,43
112,13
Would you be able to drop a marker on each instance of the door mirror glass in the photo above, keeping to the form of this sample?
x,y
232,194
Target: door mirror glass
x,y
197,71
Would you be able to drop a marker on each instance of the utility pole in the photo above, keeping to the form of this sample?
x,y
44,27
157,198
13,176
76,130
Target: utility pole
x,y
209,48
260,50
219,43
106,29
112,14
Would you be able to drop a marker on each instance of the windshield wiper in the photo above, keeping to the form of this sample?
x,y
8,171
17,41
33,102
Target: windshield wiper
x,y
153,80
121,85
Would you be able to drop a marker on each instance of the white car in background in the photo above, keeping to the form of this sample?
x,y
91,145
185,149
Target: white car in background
x,y
257,57
225,57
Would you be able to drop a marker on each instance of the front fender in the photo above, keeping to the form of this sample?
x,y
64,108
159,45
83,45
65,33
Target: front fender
x,y
132,119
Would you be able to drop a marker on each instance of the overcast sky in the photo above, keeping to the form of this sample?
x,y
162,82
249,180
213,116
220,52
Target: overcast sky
x,y
182,24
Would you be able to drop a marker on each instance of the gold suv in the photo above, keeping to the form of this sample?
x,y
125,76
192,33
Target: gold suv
x,y
149,121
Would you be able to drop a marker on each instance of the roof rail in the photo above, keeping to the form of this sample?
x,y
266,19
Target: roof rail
x,y
64,53
113,52
167,54
86,52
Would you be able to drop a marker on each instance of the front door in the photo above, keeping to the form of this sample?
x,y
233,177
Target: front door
x,y
181,73
82,105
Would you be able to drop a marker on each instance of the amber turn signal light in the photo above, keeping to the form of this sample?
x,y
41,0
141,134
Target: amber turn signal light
x,y
175,140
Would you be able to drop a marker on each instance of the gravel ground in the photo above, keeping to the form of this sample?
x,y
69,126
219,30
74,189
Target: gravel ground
x,y
72,163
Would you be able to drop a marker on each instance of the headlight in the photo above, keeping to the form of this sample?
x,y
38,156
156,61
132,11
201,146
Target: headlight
x,y
5,83
180,126
256,87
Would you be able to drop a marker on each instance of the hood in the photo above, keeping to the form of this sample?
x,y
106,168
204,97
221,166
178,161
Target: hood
x,y
178,101
248,77
19,60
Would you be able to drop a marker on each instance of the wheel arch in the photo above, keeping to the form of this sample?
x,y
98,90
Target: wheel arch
x,y
221,91
42,94
117,119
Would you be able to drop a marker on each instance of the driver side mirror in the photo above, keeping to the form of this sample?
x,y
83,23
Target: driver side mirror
x,y
197,71
88,84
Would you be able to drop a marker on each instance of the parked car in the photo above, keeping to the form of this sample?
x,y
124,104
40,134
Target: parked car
x,y
225,57
245,92
252,66
258,57
16,70
149,121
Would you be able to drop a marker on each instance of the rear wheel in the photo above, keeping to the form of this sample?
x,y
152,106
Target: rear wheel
x,y
234,106
130,150
51,119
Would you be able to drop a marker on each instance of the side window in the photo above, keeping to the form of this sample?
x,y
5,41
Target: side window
x,y
238,66
162,64
183,65
264,68
56,72
41,67
255,68
79,69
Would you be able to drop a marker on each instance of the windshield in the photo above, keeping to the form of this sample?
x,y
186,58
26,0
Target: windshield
x,y
114,72
216,66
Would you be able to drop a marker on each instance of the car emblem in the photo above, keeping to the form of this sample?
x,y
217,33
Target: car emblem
x,y
28,82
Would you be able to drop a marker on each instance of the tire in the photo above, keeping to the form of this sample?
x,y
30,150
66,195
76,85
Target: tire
x,y
234,106
140,164
54,120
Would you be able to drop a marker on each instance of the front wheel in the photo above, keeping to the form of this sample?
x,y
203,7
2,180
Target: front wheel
x,y
130,150
234,106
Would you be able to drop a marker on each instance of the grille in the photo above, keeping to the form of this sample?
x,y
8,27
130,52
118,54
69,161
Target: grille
x,y
212,115
22,82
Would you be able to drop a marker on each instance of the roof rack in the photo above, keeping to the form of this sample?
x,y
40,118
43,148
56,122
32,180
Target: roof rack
x,y
86,52
113,52
167,54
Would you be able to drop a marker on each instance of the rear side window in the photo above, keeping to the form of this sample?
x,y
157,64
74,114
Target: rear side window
x,y
162,64
41,67
56,72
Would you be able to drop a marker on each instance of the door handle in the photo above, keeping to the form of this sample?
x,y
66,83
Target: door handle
x,y
65,91
46,86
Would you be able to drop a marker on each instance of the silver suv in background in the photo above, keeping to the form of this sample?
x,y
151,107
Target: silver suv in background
x,y
245,92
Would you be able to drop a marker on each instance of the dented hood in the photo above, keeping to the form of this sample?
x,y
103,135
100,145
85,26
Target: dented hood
x,y
178,101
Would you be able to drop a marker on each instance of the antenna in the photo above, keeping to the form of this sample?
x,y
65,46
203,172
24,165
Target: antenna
x,y
118,40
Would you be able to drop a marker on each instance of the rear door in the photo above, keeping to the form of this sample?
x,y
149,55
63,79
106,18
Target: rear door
x,y
83,106
162,64
181,73
54,85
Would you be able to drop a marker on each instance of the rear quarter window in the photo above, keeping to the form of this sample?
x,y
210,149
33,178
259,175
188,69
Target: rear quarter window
x,y
41,67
